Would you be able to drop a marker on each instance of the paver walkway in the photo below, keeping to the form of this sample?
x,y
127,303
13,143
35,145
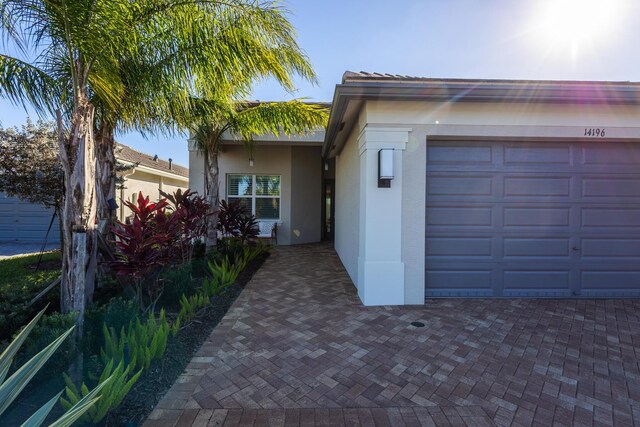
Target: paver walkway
x,y
297,348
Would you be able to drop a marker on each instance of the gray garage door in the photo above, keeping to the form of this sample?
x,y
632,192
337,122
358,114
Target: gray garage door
x,y
24,222
533,219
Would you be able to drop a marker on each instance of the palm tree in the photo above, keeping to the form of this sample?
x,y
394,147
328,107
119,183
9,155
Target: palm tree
x,y
226,55
246,120
115,56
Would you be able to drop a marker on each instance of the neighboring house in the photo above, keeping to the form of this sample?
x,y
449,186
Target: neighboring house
x,y
498,188
24,222
149,174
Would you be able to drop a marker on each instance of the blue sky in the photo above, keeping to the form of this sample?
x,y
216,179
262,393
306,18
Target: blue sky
x,y
510,39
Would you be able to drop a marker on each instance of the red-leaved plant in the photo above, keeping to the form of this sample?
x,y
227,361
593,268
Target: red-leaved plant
x,y
234,221
145,243
190,211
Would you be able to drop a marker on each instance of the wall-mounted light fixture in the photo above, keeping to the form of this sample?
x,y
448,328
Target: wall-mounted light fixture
x,y
326,166
385,167
251,161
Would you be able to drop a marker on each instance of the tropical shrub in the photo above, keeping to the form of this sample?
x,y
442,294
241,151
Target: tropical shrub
x,y
11,387
20,282
144,244
224,273
111,395
190,212
45,331
176,281
137,345
118,313
234,221
188,308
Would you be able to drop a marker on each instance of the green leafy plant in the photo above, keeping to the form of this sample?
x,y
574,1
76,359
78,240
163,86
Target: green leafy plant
x,y
45,331
20,282
176,281
11,387
139,344
111,395
189,307
116,313
224,272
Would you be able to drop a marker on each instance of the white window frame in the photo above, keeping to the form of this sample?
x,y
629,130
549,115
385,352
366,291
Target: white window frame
x,y
253,196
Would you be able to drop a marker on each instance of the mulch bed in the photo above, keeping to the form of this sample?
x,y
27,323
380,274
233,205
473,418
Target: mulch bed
x,y
155,382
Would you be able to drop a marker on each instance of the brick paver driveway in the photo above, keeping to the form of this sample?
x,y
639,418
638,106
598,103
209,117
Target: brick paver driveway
x,y
298,348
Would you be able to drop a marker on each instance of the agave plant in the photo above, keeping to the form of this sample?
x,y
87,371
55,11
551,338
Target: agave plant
x,y
11,387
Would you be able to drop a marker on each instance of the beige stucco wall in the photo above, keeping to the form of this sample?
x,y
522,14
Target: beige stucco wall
x,y
555,118
301,179
268,160
196,170
428,121
150,185
306,194
347,200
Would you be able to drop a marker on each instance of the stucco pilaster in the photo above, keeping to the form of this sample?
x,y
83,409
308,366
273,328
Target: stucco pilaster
x,y
380,266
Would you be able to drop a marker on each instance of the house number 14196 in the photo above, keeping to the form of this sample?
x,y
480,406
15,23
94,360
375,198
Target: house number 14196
x,y
594,132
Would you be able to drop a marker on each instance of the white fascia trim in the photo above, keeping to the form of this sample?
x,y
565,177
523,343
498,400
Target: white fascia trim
x,y
152,171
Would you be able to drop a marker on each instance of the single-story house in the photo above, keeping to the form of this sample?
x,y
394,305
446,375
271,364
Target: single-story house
x,y
292,170
149,174
24,222
464,188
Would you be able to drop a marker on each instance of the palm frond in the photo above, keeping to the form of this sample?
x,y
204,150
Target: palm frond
x,y
24,83
288,118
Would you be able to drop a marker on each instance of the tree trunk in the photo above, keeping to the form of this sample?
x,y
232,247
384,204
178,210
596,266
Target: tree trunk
x,y
78,157
213,196
60,225
105,174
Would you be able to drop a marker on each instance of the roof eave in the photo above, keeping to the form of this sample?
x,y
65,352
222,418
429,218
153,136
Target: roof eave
x,y
480,91
154,171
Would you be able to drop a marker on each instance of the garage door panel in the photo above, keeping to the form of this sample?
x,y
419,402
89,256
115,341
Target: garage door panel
x,y
614,217
536,282
457,185
529,247
601,187
530,186
460,154
543,154
459,246
610,248
25,222
460,216
612,282
611,154
455,282
536,217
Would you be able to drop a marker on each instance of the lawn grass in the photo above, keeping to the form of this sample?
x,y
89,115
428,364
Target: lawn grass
x,y
20,282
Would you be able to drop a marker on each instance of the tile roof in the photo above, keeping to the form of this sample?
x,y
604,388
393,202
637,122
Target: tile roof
x,y
363,75
128,154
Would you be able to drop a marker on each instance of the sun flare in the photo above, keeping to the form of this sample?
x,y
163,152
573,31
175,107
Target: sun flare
x,y
572,23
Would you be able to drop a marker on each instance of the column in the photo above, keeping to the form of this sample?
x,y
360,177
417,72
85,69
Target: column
x,y
380,266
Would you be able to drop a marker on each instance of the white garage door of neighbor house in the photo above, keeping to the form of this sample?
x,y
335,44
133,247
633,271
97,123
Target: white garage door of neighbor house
x,y
23,222
533,219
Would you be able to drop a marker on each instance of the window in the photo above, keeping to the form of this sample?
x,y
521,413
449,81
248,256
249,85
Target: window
x,y
259,194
